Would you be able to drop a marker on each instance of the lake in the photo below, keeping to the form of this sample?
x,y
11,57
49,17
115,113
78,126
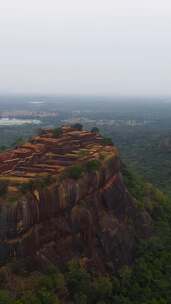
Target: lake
x,y
18,122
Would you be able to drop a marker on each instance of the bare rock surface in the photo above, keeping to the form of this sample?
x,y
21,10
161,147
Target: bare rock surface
x,y
91,217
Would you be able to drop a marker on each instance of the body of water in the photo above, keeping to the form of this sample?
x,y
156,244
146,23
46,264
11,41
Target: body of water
x,y
18,122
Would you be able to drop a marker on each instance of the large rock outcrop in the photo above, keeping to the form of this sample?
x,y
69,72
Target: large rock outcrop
x,y
91,216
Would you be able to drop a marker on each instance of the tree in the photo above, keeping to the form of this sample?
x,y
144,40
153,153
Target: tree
x,y
3,187
3,148
56,132
107,141
95,130
78,279
47,297
26,187
93,165
77,126
103,288
5,297
75,172
18,142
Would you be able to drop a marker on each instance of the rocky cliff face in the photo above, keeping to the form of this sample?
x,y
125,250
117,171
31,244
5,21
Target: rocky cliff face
x,y
90,216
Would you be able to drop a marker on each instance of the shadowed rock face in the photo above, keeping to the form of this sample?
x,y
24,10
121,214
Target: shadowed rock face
x,y
93,217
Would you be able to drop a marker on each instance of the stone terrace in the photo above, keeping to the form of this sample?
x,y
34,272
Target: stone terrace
x,y
46,154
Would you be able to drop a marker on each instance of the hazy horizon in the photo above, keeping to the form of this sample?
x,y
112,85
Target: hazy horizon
x,y
100,48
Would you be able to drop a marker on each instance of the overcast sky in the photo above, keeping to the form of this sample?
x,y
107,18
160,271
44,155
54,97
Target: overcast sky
x,y
85,47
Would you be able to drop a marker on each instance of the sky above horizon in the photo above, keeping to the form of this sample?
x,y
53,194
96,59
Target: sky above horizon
x,y
101,47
